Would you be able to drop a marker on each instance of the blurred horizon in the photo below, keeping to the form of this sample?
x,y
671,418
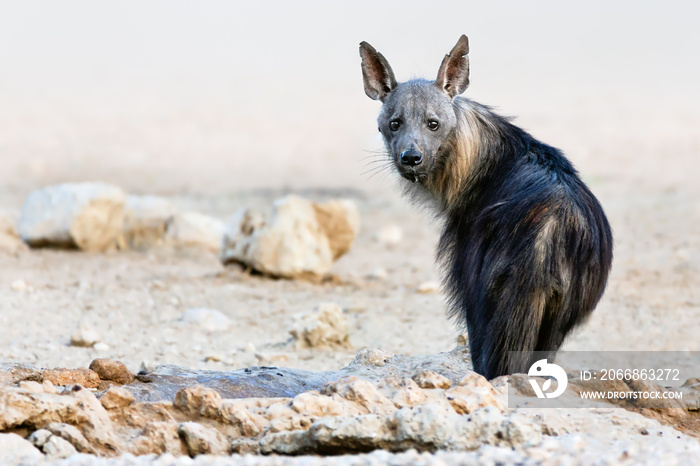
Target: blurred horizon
x,y
218,97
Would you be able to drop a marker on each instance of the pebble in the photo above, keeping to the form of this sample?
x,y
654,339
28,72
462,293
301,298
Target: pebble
x,y
210,320
101,347
428,287
378,274
19,285
85,336
390,235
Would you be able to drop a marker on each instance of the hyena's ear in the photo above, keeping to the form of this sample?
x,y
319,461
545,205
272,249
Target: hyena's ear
x,y
376,72
453,76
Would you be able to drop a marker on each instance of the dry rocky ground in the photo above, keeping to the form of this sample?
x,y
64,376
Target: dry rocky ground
x,y
65,308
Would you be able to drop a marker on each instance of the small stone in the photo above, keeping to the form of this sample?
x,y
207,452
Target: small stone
x,y
18,285
111,370
378,274
116,397
372,357
430,379
390,235
57,449
101,347
202,440
326,326
428,287
85,336
209,320
213,358
39,437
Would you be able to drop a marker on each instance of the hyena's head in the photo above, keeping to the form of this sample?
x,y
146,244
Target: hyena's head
x,y
417,119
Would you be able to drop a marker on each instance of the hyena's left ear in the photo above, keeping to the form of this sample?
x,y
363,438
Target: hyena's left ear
x,y
453,76
377,74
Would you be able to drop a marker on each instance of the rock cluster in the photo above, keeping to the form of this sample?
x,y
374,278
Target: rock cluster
x,y
387,407
296,239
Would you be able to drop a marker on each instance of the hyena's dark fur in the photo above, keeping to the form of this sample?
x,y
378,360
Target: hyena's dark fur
x,y
526,247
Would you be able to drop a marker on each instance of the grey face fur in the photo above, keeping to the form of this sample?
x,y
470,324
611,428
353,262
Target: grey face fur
x,y
417,119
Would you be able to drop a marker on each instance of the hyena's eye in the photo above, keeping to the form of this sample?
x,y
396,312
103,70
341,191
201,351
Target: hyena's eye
x,y
394,125
433,125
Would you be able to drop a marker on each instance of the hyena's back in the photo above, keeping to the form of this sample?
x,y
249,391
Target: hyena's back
x,y
526,254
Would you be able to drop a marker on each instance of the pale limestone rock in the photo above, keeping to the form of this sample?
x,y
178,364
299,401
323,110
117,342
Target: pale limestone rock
x,y
297,239
372,357
202,440
84,215
326,327
72,435
56,448
116,397
16,450
361,392
39,437
198,401
159,437
145,221
192,230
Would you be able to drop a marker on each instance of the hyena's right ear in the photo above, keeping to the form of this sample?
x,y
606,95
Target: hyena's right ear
x,y
376,72
453,76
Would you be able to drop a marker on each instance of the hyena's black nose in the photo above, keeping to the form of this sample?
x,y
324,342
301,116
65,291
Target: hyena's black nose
x,y
411,157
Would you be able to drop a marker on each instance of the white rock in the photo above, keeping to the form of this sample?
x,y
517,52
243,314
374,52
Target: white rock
x,y
210,320
18,285
84,336
297,239
86,215
378,274
101,347
195,230
428,287
145,221
57,448
390,235
16,450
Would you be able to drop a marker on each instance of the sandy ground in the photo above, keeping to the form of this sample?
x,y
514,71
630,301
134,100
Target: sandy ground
x,y
213,149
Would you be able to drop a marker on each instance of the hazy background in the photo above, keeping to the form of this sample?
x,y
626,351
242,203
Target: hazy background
x,y
217,97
